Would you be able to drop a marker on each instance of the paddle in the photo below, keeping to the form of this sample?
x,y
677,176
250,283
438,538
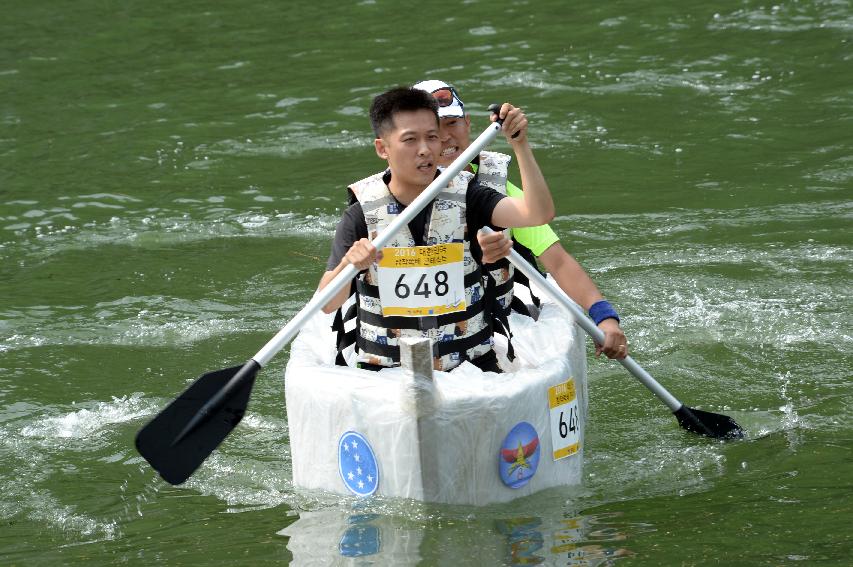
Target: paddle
x,y
184,434
691,419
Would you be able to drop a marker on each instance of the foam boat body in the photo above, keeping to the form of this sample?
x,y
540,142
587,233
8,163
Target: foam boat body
x,y
462,437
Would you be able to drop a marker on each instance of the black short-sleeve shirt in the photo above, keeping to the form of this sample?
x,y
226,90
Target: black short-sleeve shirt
x,y
480,203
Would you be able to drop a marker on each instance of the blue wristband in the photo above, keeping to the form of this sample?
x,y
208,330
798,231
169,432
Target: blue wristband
x,y
601,310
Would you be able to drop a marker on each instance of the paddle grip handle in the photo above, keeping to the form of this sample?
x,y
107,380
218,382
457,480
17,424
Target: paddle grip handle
x,y
495,109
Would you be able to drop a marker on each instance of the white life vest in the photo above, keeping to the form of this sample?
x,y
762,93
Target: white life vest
x,y
492,173
459,336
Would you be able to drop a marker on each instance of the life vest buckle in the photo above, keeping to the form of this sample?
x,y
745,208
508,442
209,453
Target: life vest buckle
x,y
427,323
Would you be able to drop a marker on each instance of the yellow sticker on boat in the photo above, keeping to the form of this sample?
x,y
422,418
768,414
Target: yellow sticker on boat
x,y
565,419
422,281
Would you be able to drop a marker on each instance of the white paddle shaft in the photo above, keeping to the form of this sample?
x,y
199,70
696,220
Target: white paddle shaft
x,y
559,296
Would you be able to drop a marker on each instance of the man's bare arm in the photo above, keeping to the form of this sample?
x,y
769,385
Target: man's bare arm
x,y
573,279
537,206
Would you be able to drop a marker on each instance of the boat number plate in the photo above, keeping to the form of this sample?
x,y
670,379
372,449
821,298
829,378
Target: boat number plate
x,y
565,419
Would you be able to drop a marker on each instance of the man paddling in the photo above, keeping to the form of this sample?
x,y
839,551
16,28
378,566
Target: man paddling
x,y
491,168
431,285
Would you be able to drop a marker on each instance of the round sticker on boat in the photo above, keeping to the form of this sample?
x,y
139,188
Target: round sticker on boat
x,y
357,464
519,455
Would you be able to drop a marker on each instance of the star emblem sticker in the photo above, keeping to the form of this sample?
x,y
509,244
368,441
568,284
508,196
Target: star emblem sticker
x,y
357,464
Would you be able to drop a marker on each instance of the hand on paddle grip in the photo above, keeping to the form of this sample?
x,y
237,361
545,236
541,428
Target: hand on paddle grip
x,y
615,343
495,245
362,253
515,116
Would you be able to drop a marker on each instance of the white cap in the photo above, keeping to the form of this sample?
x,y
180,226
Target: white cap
x,y
455,108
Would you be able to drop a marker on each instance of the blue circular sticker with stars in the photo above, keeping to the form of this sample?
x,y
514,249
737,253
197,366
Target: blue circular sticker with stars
x,y
357,464
519,455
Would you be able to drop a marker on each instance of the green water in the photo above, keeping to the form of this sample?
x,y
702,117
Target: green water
x,y
170,179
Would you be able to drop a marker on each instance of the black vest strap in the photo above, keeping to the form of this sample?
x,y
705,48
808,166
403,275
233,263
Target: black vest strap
x,y
502,327
518,306
527,254
504,288
344,338
487,362
439,348
419,323
499,315
502,263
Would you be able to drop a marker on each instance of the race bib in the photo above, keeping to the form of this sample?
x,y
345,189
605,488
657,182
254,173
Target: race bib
x,y
422,281
565,419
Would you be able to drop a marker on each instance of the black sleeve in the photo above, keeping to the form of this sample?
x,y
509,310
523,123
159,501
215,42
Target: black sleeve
x,y
351,228
480,203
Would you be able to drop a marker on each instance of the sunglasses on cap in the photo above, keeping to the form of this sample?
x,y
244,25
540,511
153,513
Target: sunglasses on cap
x,y
445,96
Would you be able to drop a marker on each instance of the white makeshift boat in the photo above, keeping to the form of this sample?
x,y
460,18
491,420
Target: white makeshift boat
x,y
461,437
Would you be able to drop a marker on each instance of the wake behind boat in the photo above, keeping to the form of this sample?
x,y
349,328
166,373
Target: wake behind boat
x,y
463,437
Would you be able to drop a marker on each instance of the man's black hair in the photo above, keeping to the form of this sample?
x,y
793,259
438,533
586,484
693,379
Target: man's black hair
x,y
398,99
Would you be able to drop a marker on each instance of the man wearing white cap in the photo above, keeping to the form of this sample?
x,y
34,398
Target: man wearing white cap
x,y
491,169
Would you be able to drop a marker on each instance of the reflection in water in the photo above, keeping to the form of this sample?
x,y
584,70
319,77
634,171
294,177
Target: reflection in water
x,y
330,537
566,541
524,540
336,536
362,537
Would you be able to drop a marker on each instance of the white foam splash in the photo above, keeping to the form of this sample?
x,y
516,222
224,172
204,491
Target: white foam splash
x,y
85,423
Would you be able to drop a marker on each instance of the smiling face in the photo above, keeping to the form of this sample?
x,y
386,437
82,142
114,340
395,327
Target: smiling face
x,y
455,138
411,148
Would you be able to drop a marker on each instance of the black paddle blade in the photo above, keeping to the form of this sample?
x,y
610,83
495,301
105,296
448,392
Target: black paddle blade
x,y
706,423
182,436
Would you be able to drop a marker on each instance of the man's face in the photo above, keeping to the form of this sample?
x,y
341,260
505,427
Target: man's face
x,y
455,138
411,148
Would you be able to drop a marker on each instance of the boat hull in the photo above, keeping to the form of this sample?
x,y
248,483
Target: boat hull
x,y
464,437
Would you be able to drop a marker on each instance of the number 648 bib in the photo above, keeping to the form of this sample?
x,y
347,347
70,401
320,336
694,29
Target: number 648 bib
x,y
422,281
